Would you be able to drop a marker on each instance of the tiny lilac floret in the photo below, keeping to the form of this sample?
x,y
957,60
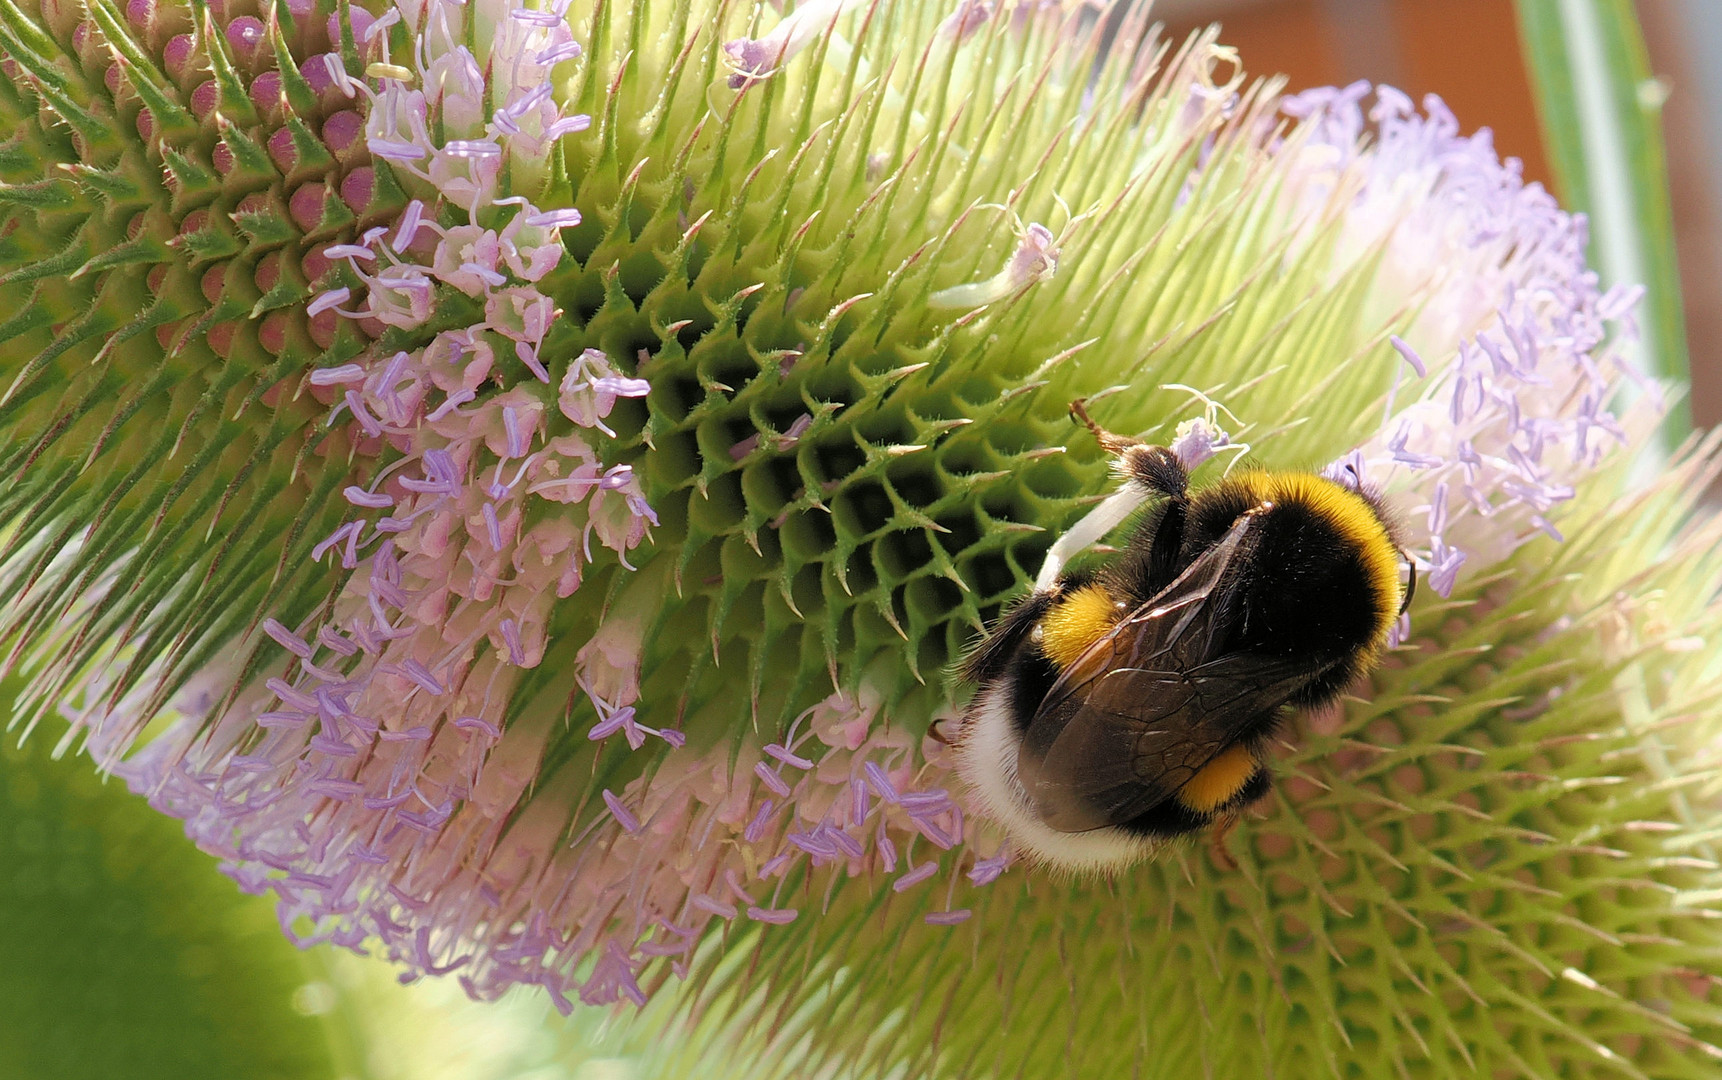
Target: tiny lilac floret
x,y
987,871
1034,260
753,59
1196,440
962,23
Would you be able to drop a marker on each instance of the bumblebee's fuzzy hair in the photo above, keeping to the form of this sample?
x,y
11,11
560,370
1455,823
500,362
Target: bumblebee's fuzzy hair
x,y
1327,588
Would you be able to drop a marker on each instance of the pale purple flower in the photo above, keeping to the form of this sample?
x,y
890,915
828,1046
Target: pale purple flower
x,y
969,17
400,295
1196,441
454,84
397,120
531,250
1034,259
467,175
752,59
467,257
519,312
1493,433
590,387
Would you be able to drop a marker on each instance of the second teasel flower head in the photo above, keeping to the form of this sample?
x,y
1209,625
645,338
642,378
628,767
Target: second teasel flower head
x,y
623,417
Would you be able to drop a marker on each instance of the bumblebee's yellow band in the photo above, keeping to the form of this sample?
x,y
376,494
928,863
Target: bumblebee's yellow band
x,y
1076,622
1219,780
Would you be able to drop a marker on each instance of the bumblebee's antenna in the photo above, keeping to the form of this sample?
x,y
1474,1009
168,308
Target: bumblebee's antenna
x,y
1112,444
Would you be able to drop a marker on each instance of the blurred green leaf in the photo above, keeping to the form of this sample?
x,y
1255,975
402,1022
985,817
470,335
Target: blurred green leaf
x,y
1601,119
126,956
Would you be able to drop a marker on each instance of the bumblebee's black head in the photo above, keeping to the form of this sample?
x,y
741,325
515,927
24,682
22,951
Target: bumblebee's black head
x,y
1327,564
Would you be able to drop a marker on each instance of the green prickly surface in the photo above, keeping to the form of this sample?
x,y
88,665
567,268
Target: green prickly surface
x,y
1500,861
770,255
161,481
1430,871
757,257
127,955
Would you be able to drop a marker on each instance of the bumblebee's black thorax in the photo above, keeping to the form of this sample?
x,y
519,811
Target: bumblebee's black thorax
x,y
1310,591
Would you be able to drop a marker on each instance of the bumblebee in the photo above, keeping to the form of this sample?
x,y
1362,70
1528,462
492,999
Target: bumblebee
x,y
1117,710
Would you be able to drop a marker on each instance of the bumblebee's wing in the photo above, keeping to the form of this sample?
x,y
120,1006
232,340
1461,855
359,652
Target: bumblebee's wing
x,y
1143,709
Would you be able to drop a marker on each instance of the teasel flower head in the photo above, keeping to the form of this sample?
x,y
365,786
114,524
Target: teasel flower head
x,y
514,480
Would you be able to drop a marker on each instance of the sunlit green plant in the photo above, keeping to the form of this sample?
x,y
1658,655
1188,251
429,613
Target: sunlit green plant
x,y
514,480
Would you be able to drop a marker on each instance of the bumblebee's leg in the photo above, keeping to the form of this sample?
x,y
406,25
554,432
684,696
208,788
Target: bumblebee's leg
x,y
993,655
1223,825
1252,791
1085,533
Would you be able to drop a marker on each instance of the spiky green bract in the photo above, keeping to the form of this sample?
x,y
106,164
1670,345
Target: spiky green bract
x,y
1497,861
127,955
163,477
771,255
852,474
